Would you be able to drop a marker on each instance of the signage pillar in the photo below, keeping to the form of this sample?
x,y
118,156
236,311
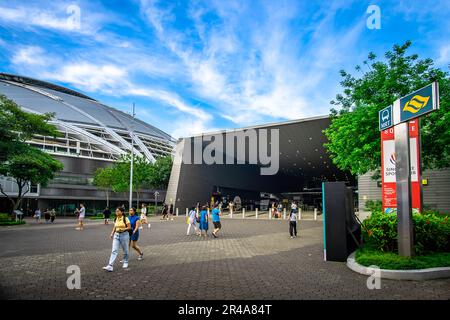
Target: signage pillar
x,y
403,186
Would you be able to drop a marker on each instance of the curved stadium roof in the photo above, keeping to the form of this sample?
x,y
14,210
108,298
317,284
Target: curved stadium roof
x,y
96,126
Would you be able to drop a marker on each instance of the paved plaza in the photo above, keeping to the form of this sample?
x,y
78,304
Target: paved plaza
x,y
253,259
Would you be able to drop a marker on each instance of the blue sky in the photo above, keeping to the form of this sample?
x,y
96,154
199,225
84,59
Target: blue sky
x,y
197,66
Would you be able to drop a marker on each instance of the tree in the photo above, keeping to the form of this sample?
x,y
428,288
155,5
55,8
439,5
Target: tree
x,y
104,179
353,136
160,172
121,174
18,159
17,126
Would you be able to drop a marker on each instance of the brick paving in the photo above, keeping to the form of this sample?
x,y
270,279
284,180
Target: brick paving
x,y
253,259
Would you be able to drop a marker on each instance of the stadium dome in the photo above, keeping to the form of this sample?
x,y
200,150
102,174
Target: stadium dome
x,y
89,128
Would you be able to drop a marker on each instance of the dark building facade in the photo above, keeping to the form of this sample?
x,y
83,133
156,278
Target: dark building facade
x,y
303,165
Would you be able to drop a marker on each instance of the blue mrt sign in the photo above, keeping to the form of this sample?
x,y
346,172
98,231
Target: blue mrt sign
x,y
385,118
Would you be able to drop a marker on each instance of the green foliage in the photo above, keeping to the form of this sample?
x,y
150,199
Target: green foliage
x,y
145,174
354,139
380,231
104,177
7,220
431,232
392,261
160,173
12,223
374,205
18,160
32,165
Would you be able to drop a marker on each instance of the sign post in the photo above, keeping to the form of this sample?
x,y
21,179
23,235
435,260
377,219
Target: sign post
x,y
156,194
409,107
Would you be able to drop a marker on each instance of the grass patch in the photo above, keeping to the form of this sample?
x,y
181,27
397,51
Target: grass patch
x,y
11,223
392,261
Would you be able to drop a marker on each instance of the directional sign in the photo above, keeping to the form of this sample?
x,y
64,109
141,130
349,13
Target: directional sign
x,y
385,118
419,102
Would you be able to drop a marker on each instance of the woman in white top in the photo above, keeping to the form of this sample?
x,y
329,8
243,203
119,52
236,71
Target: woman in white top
x,y
192,219
143,216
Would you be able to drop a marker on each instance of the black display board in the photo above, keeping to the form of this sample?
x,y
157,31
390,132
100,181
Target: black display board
x,y
342,232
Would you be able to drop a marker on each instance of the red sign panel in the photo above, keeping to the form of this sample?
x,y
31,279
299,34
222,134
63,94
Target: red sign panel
x,y
388,159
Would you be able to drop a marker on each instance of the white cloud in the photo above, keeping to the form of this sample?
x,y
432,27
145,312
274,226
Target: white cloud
x,y
30,55
444,55
90,77
170,99
186,127
265,75
60,16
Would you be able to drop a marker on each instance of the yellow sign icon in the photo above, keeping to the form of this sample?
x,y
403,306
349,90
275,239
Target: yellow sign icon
x,y
416,103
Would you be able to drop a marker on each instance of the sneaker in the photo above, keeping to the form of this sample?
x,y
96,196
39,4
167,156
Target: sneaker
x,y
141,256
121,261
108,268
125,265
292,237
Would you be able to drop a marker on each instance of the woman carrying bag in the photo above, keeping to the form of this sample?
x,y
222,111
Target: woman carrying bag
x,y
121,238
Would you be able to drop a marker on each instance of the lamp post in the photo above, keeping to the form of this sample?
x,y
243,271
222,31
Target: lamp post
x,y
132,160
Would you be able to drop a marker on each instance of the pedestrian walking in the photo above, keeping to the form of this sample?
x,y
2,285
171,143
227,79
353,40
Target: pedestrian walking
x,y
215,217
294,207
143,217
106,215
192,219
165,211
170,212
293,224
134,236
121,238
81,215
204,221
279,210
47,215
52,215
37,215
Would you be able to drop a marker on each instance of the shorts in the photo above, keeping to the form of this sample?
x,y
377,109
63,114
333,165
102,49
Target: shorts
x,y
80,218
135,236
217,225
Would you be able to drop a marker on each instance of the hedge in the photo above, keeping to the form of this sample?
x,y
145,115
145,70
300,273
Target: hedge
x,y
431,232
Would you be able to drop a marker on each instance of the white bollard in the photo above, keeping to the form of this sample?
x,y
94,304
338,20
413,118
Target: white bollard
x,y
177,211
187,212
284,213
231,213
315,214
243,213
300,214
256,215
270,213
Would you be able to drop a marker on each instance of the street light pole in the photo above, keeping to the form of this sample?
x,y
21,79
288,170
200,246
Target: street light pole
x,y
132,160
